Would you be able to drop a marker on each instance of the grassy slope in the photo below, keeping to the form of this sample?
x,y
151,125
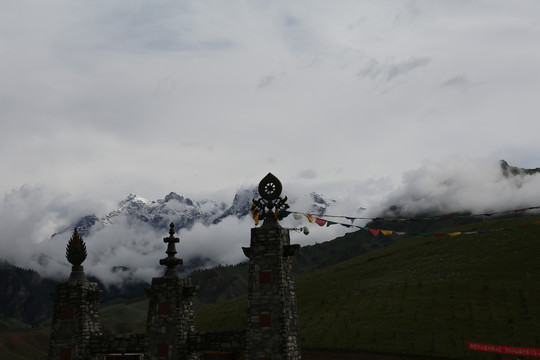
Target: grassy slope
x,y
124,316
425,295
227,282
19,341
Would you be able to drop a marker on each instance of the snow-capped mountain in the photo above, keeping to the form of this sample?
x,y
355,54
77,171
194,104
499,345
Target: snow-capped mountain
x,y
320,204
183,211
123,241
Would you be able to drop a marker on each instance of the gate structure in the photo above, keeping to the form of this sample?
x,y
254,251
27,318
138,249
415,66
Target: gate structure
x,y
272,320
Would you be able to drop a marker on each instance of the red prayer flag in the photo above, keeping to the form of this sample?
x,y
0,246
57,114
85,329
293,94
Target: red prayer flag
x,y
375,232
320,222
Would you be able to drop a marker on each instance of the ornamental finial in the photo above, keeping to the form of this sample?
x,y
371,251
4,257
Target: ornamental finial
x,y
76,254
76,249
270,203
171,261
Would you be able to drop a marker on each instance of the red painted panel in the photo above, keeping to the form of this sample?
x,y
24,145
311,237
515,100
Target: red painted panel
x,y
265,277
265,320
163,350
65,354
164,309
67,313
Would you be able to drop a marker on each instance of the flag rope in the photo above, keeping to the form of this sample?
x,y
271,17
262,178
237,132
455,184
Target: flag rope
x,y
323,222
442,217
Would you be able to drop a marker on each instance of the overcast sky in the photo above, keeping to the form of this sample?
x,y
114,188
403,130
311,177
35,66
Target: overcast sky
x,y
102,98
375,102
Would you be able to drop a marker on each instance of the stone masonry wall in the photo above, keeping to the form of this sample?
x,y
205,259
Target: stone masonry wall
x,y
232,340
272,324
75,320
170,319
118,344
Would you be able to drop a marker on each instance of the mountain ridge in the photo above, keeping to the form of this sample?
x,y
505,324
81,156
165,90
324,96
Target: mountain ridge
x,y
182,211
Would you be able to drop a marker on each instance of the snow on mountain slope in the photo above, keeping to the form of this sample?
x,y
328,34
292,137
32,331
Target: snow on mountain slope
x,y
134,209
129,237
184,212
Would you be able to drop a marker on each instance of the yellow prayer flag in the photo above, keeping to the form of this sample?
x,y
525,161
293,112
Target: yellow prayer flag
x,y
386,232
256,217
454,233
310,218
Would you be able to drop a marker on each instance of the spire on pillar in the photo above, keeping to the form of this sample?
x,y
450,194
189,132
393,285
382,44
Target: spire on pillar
x,y
76,254
171,261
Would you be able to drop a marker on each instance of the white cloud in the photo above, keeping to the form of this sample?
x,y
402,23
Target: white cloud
x,y
406,66
461,184
100,99
457,81
456,184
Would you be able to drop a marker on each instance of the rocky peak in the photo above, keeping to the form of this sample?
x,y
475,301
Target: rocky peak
x,y
509,170
320,204
179,198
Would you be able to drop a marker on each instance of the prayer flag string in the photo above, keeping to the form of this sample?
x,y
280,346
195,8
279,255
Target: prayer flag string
x,y
375,232
442,217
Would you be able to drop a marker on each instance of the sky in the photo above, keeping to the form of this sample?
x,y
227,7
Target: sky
x,y
359,100
104,98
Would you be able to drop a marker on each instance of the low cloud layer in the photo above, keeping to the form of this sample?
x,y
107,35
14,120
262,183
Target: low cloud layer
x,y
128,251
461,185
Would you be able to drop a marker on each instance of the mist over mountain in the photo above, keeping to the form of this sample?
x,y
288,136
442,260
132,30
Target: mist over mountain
x,y
124,240
158,214
461,186
125,243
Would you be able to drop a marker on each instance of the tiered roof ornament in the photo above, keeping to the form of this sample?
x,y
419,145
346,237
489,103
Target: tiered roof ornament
x,y
171,261
76,254
270,204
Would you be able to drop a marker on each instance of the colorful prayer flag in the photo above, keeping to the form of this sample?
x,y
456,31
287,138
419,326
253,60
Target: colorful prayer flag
x,y
256,217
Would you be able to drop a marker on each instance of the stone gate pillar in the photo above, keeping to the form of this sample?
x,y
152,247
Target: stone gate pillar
x,y
170,319
272,320
75,318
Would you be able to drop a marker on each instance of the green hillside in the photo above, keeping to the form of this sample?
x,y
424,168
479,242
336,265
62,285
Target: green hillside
x,y
227,282
423,295
124,316
20,341
417,295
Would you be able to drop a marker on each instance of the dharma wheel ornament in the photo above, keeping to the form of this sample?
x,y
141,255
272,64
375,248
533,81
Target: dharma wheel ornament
x,y
270,203
76,254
